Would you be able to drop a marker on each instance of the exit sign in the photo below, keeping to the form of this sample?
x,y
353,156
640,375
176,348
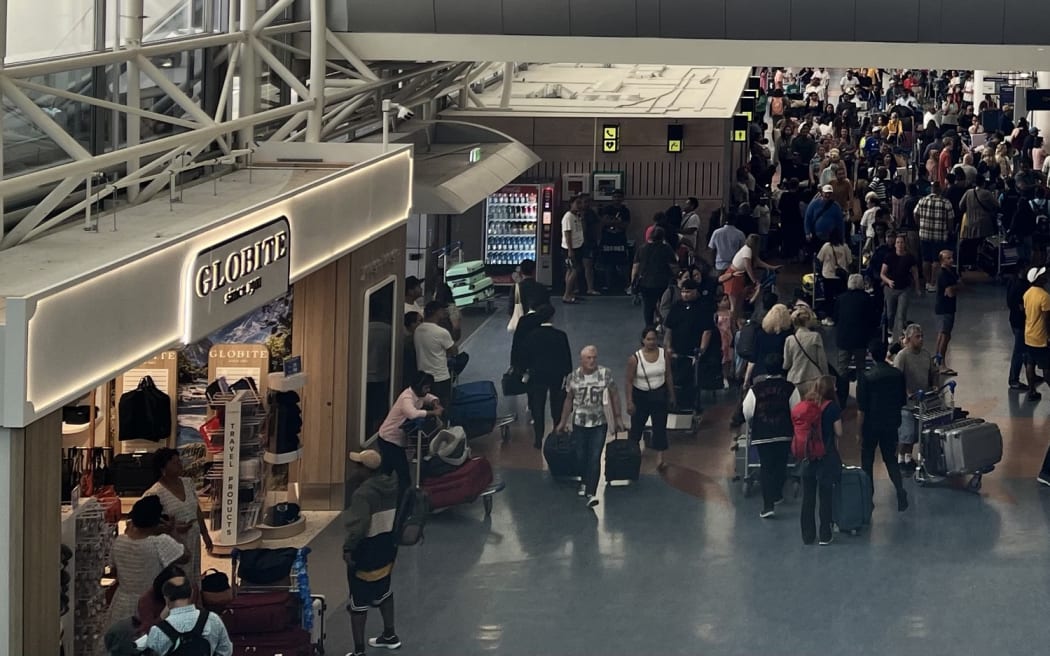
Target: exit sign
x,y
475,155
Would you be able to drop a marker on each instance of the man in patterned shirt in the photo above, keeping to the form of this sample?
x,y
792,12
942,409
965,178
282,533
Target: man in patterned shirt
x,y
585,392
936,218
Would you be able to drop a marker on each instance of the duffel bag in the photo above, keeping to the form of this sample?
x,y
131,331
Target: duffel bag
x,y
463,485
260,612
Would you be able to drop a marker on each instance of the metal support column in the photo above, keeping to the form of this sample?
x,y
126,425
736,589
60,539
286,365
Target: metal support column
x,y
249,78
508,82
318,49
133,136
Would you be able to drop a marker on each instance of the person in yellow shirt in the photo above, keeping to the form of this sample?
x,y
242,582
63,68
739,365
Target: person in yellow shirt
x,y
1036,309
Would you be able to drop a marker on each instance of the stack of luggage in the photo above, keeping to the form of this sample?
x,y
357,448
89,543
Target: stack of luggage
x,y
469,283
449,474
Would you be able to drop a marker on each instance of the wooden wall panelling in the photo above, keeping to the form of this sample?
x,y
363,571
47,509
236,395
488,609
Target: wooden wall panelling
x,y
39,491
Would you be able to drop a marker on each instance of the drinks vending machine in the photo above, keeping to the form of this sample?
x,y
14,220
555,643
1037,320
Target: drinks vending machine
x,y
520,223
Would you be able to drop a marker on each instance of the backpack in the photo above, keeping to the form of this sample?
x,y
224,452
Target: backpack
x,y
776,106
411,517
745,341
191,643
808,441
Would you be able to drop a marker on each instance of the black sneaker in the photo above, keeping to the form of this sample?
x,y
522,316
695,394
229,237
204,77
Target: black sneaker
x,y
1043,479
385,642
826,541
1018,386
1033,396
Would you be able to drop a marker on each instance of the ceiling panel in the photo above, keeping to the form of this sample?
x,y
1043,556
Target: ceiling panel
x,y
693,19
820,20
391,15
603,17
1026,21
465,17
972,21
929,21
757,19
647,18
887,21
545,17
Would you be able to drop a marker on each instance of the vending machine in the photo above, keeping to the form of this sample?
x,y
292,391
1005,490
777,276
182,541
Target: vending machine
x,y
520,223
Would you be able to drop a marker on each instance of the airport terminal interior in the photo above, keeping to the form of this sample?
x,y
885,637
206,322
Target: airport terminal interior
x,y
243,241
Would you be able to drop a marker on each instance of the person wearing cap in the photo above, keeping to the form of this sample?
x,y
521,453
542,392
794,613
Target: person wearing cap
x,y
370,548
867,220
823,216
1036,309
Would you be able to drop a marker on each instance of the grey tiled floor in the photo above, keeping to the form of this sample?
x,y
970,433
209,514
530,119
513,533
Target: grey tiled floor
x,y
656,570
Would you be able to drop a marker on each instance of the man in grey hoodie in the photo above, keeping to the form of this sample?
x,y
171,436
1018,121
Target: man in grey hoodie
x,y
371,548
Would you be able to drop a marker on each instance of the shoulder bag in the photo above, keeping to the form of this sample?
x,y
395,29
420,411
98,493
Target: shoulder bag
x,y
840,272
518,312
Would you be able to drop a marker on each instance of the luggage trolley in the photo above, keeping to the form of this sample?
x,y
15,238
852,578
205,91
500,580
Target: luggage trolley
x,y
934,408
939,418
749,467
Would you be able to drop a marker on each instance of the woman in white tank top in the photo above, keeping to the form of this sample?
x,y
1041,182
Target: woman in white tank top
x,y
650,392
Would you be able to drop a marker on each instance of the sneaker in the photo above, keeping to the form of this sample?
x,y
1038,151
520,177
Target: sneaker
x,y
1019,386
355,653
582,492
1033,396
592,501
931,288
828,321
826,541
1043,479
385,642
778,501
766,514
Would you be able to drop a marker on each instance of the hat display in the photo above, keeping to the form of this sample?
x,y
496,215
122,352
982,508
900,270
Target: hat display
x,y
1035,272
369,458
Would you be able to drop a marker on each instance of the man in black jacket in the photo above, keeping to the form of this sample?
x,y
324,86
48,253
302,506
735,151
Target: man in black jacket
x,y
547,358
881,394
530,293
855,319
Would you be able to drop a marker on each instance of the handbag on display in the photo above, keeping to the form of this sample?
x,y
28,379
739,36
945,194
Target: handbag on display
x,y
133,473
145,413
110,502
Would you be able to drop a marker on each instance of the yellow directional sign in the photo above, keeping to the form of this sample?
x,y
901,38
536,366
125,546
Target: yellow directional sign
x,y
674,146
610,145
611,132
739,136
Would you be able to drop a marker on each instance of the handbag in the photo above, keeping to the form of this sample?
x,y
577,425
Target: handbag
x,y
518,311
514,383
215,589
840,273
145,413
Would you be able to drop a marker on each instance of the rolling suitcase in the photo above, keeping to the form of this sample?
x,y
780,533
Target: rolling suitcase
x,y
476,281
464,295
559,450
461,485
623,461
851,503
289,642
260,612
318,632
463,272
474,408
970,447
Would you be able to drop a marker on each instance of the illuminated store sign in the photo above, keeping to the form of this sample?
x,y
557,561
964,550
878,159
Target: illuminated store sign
x,y
252,265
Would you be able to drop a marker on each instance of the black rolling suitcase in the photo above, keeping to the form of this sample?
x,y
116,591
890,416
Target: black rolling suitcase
x,y
684,375
623,461
559,450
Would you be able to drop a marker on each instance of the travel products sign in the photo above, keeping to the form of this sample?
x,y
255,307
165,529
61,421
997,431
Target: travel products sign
x,y
231,278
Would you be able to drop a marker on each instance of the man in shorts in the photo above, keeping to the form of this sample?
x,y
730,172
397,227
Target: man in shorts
x,y
1036,309
370,548
572,244
947,289
935,216
592,235
920,373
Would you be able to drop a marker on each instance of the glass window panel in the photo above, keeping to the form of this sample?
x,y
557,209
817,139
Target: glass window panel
x,y
39,29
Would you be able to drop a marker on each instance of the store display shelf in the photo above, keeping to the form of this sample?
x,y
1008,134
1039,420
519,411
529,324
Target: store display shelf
x,y
282,532
521,218
246,539
278,382
283,458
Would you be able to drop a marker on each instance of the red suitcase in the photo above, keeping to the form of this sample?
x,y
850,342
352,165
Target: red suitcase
x,y
260,612
290,642
463,485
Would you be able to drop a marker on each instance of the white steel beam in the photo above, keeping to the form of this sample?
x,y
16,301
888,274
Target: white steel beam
x,y
356,62
318,53
105,104
271,15
227,84
289,126
40,119
282,72
180,98
249,71
508,82
274,43
22,229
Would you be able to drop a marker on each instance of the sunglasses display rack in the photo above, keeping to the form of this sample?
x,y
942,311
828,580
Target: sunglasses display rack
x,y
236,474
90,538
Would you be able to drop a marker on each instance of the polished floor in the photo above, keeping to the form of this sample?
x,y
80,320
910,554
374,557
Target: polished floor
x,y
680,563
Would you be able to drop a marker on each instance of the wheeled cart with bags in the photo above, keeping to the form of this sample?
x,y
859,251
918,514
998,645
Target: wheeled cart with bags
x,y
272,611
749,466
952,445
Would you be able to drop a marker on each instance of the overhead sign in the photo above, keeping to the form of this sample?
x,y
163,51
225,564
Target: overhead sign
x,y
231,278
1037,100
739,132
475,155
1006,94
675,138
747,107
610,138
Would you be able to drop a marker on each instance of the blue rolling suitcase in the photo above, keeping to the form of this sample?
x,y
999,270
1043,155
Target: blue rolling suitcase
x,y
851,503
474,408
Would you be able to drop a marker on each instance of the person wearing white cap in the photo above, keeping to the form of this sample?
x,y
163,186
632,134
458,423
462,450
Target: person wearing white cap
x,y
823,216
370,549
1036,311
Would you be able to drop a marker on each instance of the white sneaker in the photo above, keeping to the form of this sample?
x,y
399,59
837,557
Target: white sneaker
x,y
582,491
931,288
828,321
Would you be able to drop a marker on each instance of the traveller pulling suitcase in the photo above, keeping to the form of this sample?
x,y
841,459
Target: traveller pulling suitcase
x,y
559,450
623,461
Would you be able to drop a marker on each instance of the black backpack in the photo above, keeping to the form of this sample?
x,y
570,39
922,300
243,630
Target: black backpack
x,y
191,643
745,343
411,517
